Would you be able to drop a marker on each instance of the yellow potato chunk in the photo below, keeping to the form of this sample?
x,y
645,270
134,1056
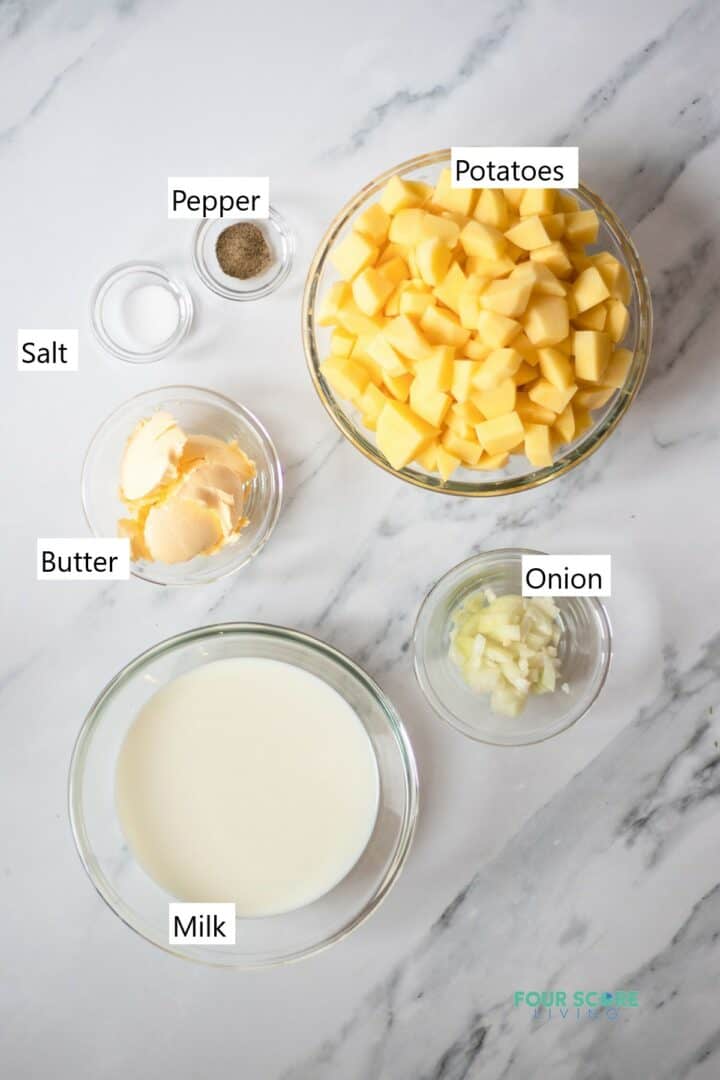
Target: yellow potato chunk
x,y
331,303
581,227
501,433
468,450
348,377
356,322
565,424
592,319
549,396
481,267
446,462
498,401
403,335
371,404
491,462
532,413
592,354
501,364
496,330
538,447
451,288
398,385
370,290
541,278
514,196
389,359
614,275
442,228
617,321
554,225
546,320
399,194
507,297
402,434
353,254
529,234
567,204
463,372
436,371
443,327
395,270
594,399
341,343
556,368
617,370
413,300
525,374
430,404
589,289
537,201
405,227
476,350
555,256
483,241
433,260
445,196
374,223
491,208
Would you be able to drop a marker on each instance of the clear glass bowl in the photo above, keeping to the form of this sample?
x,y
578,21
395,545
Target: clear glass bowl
x,y
143,905
201,412
519,475
108,311
281,242
585,650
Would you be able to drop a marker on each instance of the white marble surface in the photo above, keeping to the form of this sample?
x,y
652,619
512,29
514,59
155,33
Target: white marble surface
x,y
589,862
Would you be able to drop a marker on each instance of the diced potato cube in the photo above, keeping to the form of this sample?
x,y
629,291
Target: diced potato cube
x,y
537,201
389,359
433,260
500,434
395,270
468,411
546,320
554,225
348,377
496,330
594,399
476,350
514,196
592,354
370,290
581,227
617,321
549,396
403,335
532,413
483,241
430,404
461,427
556,368
579,259
374,223
443,328
460,200
446,462
501,364
507,297
463,371
589,289
529,234
491,462
451,288
428,457
331,303
538,448
469,309
525,347
592,319
353,254
468,450
541,278
341,343
413,301
402,434
482,267
617,370
565,424
614,275
405,227
443,228
492,209
436,371
583,421
399,194
498,401
356,322
371,404
555,256
398,385
566,204
525,374
392,304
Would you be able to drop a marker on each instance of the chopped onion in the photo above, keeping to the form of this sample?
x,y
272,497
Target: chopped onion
x,y
507,646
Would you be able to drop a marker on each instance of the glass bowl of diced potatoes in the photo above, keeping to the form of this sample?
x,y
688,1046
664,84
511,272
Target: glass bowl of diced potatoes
x,y
475,342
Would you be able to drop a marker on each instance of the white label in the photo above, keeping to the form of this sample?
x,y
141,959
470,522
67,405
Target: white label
x,y
515,166
47,350
566,575
201,924
218,197
68,559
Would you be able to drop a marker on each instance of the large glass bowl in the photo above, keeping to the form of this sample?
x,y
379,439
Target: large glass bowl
x,y
519,475
584,652
137,899
198,412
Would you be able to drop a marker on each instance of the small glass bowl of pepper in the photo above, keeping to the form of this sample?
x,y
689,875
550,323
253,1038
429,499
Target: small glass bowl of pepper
x,y
243,260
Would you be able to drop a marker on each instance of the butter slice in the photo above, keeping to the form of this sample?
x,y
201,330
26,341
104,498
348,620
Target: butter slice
x,y
151,456
180,529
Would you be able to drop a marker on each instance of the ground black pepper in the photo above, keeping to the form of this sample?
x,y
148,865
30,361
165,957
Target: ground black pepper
x,y
242,250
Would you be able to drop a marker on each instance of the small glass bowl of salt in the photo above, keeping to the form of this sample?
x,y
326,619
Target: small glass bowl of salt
x,y
140,313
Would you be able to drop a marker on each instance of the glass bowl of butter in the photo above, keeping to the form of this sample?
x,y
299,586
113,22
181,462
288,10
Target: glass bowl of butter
x,y
190,477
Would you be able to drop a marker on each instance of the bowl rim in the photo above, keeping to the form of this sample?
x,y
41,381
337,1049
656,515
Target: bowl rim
x,y
226,402
305,641
186,312
505,485
460,571
276,221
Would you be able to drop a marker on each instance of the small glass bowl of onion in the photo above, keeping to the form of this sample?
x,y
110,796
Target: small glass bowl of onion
x,y
505,672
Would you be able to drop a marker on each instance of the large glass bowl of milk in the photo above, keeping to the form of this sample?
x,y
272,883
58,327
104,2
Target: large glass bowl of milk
x,y
249,765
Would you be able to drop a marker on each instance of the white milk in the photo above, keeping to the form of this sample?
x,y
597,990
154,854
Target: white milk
x,y
250,781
